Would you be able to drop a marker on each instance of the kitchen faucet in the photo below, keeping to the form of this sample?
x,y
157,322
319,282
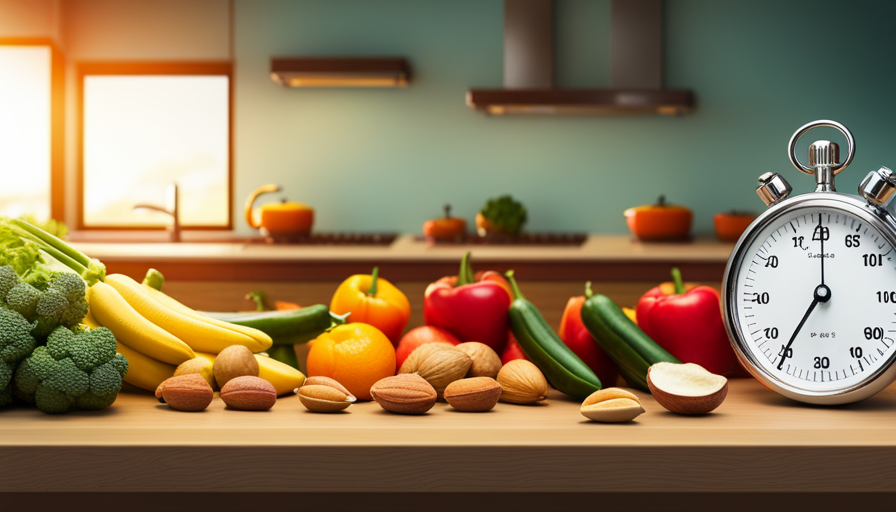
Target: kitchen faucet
x,y
172,210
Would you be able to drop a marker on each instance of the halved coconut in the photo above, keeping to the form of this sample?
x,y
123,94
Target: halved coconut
x,y
686,388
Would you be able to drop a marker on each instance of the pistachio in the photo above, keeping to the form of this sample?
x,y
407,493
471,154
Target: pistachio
x,y
321,398
612,405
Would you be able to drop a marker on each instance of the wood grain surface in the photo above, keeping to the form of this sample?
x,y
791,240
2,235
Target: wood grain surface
x,y
755,442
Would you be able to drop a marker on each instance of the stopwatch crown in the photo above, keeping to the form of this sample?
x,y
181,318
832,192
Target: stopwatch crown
x,y
878,186
824,153
772,188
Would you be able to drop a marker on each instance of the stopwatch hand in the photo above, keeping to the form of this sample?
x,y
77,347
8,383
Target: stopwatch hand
x,y
798,329
821,237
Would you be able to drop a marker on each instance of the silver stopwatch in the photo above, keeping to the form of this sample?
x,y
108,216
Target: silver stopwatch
x,y
809,293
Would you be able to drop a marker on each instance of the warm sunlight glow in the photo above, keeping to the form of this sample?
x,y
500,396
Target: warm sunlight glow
x,y
143,132
25,130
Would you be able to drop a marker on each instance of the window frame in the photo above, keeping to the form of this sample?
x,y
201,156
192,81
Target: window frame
x,y
57,119
217,68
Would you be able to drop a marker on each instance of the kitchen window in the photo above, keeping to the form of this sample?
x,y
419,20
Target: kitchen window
x,y
31,146
145,126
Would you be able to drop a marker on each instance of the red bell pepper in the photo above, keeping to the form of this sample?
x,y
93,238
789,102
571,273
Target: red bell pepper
x,y
471,307
688,323
512,351
579,340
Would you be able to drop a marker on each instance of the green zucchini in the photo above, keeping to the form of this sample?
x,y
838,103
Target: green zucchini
x,y
286,354
628,346
563,369
288,327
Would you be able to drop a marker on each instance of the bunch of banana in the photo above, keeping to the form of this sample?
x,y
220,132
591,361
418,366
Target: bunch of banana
x,y
156,333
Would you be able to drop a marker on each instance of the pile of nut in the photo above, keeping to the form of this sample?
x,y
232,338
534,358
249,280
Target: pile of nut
x,y
234,372
468,376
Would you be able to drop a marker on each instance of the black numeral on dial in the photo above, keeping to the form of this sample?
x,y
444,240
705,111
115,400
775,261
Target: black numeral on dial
x,y
874,333
855,352
873,260
822,362
760,298
852,241
886,297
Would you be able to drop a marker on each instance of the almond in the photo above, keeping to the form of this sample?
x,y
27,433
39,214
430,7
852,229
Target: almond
x,y
327,381
404,394
439,364
476,394
522,382
612,405
486,362
320,398
189,392
686,388
234,361
249,393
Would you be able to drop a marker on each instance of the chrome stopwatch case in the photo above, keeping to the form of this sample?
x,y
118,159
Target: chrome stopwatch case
x,y
809,293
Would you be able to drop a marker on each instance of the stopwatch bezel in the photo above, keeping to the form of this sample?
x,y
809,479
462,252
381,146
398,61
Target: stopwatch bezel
x,y
876,217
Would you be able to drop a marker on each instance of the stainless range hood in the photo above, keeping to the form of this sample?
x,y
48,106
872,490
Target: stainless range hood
x,y
635,66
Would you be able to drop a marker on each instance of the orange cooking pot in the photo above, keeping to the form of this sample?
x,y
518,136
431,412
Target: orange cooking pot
x,y
280,221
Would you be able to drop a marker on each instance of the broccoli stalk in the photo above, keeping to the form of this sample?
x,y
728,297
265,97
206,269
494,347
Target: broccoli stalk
x,y
74,371
90,269
16,343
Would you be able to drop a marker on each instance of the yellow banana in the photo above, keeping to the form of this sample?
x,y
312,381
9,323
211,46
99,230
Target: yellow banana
x,y
285,378
199,335
144,372
133,330
209,357
263,340
90,322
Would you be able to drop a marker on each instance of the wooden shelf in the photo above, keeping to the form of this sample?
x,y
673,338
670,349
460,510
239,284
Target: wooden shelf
x,y
601,257
756,441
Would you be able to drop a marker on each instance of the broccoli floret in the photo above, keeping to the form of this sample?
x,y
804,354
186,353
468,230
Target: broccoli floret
x,y
8,279
74,371
507,215
23,299
16,343
63,301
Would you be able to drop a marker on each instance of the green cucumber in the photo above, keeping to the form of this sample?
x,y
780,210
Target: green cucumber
x,y
288,327
563,369
628,346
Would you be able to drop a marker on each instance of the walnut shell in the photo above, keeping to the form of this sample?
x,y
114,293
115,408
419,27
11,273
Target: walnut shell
x,y
486,362
439,364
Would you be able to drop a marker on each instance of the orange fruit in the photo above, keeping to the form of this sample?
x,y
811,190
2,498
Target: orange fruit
x,y
356,355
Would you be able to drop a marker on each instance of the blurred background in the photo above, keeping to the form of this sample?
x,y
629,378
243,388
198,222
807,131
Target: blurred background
x,y
103,103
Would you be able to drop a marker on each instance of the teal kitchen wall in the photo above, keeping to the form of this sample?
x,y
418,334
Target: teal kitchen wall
x,y
386,160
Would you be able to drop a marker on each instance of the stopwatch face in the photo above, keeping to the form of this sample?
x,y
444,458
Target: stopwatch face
x,y
815,300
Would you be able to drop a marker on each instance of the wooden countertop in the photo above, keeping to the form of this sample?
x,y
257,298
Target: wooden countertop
x,y
611,257
756,441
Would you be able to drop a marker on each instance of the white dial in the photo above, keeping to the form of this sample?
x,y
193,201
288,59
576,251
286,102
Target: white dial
x,y
815,298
